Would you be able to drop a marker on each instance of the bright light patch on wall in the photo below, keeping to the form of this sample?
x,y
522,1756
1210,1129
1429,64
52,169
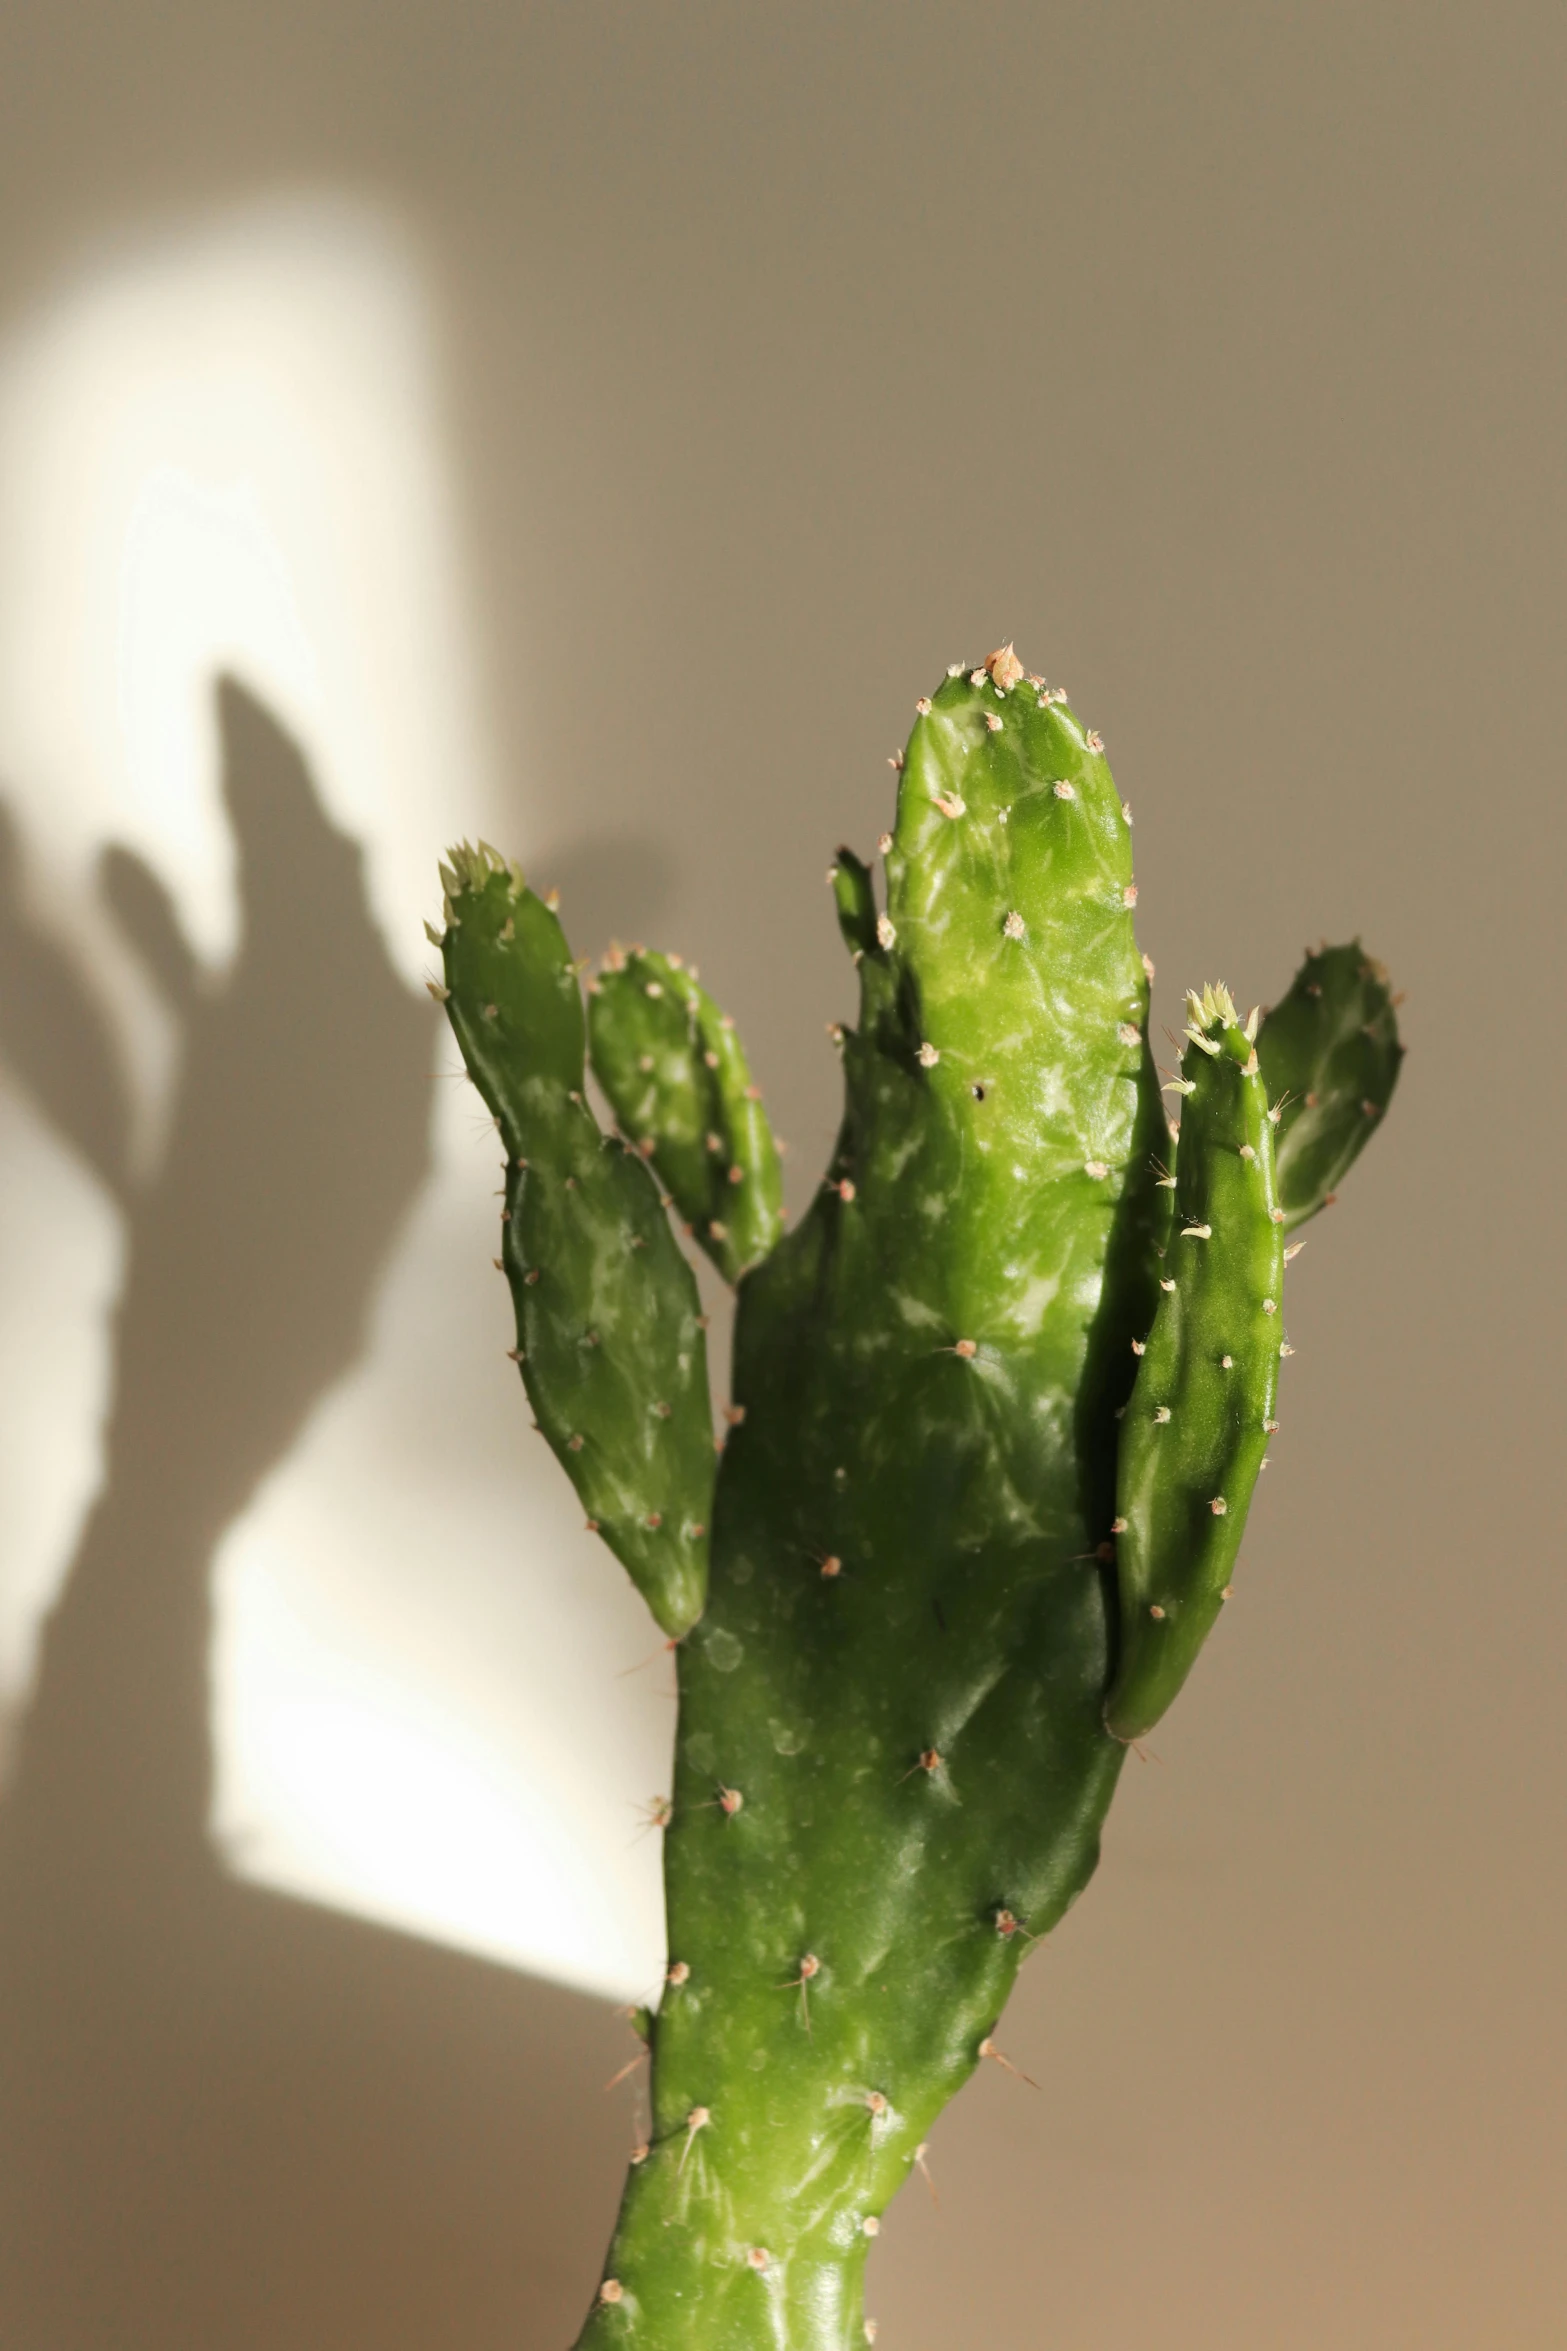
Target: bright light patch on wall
x,y
228,450
416,1776
225,452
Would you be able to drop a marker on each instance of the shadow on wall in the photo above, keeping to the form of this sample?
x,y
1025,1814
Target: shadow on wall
x,y
228,2120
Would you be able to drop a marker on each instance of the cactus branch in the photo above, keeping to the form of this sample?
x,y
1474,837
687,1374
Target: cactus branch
x,y
1197,1427
677,1078
609,1333
854,894
1330,1057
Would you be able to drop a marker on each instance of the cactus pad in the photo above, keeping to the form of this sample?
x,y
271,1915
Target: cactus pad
x,y
1197,1427
1330,1056
678,1082
609,1333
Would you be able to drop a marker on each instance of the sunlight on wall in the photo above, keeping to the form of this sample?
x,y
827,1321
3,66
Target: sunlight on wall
x,y
227,449
224,451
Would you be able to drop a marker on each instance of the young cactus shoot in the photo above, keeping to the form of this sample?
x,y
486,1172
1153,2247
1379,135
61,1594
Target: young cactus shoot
x,y
1000,1402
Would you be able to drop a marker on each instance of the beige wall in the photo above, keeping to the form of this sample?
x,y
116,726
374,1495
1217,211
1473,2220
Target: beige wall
x,y
1216,355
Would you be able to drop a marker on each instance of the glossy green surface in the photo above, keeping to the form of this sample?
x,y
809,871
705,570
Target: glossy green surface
x,y
1330,1056
609,1340
902,1666
935,1617
676,1077
1197,1427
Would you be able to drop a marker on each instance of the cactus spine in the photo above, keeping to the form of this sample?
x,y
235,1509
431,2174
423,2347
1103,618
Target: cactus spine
x,y
999,1404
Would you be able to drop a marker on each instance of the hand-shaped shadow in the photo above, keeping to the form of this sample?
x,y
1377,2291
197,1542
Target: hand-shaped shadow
x,y
53,1036
229,2121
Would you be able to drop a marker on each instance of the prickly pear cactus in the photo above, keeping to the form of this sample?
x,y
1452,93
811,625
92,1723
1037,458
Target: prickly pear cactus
x,y
1000,1401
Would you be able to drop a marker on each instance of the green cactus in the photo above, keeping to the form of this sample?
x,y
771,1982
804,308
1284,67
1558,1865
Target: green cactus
x,y
1000,1401
1330,1056
609,1328
677,1080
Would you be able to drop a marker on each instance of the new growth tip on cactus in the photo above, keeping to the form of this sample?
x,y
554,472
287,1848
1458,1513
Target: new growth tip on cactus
x,y
1000,1402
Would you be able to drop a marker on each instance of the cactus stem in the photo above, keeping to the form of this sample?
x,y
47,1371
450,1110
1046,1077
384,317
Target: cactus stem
x,y
697,2120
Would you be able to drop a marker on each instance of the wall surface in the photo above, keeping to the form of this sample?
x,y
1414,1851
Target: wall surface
x,y
767,360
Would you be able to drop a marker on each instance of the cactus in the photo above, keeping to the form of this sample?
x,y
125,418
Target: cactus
x,y
677,1077
999,1404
